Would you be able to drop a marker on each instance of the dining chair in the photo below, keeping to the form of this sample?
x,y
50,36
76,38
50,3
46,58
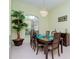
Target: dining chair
x,y
32,39
61,39
54,45
39,45
35,39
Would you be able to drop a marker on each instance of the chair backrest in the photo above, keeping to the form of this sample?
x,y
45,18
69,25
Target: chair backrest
x,y
36,32
56,40
32,34
47,33
57,35
33,37
52,33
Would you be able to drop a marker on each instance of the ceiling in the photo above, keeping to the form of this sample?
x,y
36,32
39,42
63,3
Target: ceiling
x,y
48,4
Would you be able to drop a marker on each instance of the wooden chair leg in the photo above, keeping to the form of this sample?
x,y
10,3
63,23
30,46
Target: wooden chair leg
x,y
47,55
37,50
34,48
31,42
52,54
46,51
58,52
61,46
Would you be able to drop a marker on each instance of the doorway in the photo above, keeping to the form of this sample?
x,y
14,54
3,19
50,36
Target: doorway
x,y
33,24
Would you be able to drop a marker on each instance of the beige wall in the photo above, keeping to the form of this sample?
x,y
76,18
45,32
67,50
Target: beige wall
x,y
48,23
59,11
29,10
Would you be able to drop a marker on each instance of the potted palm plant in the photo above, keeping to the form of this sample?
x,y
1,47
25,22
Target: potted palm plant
x,y
18,24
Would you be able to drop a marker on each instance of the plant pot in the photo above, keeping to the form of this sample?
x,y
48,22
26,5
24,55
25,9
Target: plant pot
x,y
18,42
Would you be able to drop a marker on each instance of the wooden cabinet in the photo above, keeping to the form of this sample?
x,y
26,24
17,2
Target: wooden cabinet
x,y
66,39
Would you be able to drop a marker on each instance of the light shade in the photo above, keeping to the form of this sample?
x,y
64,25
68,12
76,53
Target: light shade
x,y
44,13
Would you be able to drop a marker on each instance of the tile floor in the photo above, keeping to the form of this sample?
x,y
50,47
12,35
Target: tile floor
x,y
26,52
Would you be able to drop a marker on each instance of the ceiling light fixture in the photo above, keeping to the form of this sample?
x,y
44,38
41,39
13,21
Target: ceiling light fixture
x,y
44,12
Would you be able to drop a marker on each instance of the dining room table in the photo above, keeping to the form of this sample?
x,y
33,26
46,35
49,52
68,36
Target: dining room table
x,y
42,39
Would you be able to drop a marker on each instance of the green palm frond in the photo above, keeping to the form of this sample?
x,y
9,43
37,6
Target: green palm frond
x,y
18,21
24,24
15,21
17,14
16,28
